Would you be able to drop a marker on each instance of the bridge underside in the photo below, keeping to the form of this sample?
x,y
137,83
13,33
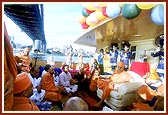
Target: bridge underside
x,y
29,17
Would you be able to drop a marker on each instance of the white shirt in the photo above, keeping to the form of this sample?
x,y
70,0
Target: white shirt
x,y
65,79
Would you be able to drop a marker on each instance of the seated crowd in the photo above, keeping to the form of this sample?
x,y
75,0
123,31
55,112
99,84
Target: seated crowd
x,y
29,88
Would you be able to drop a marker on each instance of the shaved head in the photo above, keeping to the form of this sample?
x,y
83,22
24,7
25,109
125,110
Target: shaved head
x,y
121,64
75,104
120,67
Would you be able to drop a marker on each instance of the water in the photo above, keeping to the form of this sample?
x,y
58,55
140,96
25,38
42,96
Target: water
x,y
58,58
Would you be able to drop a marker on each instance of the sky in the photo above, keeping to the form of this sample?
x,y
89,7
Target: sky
x,y
61,25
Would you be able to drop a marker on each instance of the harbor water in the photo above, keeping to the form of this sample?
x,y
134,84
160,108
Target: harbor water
x,y
59,58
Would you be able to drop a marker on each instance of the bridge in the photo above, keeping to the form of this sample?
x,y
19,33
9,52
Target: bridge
x,y
30,19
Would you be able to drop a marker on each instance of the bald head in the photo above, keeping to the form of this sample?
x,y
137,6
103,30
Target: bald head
x,y
75,104
120,67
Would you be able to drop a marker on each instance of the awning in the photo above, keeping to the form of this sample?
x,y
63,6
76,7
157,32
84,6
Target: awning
x,y
121,29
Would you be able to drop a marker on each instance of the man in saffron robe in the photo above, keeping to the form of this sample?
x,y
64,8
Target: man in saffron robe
x,y
93,81
23,59
10,72
53,93
107,85
23,89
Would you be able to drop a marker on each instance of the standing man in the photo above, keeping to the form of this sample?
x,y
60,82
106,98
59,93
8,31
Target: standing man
x,y
113,56
126,55
160,54
100,61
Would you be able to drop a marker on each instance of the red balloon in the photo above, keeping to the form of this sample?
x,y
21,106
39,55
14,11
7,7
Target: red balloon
x,y
89,11
84,25
104,11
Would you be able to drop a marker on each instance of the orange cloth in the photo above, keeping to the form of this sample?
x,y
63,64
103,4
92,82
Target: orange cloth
x,y
48,85
24,59
93,83
160,90
10,72
22,82
146,92
106,86
142,107
24,104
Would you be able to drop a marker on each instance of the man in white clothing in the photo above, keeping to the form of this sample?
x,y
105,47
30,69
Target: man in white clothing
x,y
38,93
67,81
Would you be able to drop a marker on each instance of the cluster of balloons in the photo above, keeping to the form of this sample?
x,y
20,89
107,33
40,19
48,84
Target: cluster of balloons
x,y
93,14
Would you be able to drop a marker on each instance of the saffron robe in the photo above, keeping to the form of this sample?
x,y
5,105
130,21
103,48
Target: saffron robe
x,y
47,83
24,104
108,85
10,72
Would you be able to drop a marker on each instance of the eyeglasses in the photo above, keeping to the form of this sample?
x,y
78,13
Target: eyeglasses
x,y
119,67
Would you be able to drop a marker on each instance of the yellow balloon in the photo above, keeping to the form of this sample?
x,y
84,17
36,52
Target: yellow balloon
x,y
121,5
99,15
145,6
90,7
82,19
102,4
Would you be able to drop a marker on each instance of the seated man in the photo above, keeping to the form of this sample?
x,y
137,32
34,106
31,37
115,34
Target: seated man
x,y
23,89
93,81
46,68
83,82
107,85
53,92
75,104
38,92
67,82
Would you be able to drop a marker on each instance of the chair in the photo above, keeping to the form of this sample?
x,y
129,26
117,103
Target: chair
x,y
124,96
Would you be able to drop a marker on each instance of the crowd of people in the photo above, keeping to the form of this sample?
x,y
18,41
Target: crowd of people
x,y
23,87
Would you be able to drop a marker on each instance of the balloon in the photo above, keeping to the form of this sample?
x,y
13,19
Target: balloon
x,y
90,7
130,11
121,5
82,19
104,11
99,15
157,14
84,25
102,4
89,11
145,6
113,10
84,13
92,18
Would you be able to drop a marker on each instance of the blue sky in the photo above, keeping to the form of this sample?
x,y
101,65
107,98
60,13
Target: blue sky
x,y
61,24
